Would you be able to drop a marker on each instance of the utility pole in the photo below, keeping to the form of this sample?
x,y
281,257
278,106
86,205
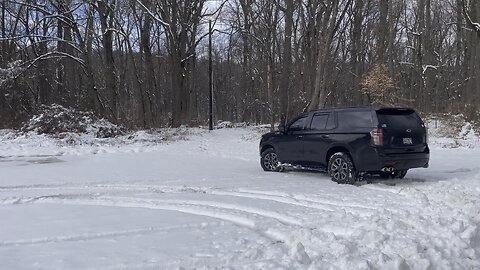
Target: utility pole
x,y
210,77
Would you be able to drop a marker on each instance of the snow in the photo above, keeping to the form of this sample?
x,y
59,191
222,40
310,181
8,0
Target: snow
x,y
193,199
452,133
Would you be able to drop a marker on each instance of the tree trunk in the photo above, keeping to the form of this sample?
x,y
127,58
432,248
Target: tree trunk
x,y
327,27
94,98
3,53
179,86
106,21
150,81
247,80
356,51
473,84
383,32
44,88
287,63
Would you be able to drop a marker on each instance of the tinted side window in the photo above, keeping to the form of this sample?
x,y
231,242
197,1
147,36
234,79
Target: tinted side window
x,y
354,119
331,122
325,121
319,122
298,124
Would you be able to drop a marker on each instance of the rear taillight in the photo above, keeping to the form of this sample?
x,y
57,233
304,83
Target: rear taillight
x,y
377,136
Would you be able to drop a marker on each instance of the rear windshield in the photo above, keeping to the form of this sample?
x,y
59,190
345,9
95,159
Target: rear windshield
x,y
399,119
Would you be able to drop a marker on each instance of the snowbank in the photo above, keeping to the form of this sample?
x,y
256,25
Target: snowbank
x,y
59,121
452,132
16,143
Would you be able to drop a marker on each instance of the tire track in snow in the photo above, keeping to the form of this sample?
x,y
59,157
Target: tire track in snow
x,y
243,216
94,236
309,202
246,217
285,219
281,197
301,200
34,187
144,203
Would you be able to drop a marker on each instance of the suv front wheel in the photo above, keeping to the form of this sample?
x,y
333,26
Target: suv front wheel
x,y
269,160
341,168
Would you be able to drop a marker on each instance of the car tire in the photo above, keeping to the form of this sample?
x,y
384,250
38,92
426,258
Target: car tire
x,y
400,174
341,169
269,161
386,175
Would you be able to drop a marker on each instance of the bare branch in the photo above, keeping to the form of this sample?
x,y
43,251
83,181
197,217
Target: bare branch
x,y
474,25
49,55
162,22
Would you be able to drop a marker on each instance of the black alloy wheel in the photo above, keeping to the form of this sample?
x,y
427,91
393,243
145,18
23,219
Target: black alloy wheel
x,y
341,169
269,160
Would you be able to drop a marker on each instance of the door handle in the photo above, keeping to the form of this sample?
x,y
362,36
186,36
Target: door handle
x,y
325,136
299,136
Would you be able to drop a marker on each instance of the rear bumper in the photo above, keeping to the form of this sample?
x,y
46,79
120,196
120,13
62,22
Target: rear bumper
x,y
405,161
402,161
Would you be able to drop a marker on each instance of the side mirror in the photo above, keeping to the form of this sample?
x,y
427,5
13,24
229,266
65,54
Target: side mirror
x,y
282,128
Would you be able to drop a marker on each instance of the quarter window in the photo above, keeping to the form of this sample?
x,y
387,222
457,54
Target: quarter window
x,y
354,119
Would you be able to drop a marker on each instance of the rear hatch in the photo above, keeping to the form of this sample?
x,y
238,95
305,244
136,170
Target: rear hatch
x,y
403,131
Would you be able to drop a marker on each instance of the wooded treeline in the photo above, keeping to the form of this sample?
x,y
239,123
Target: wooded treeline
x,y
143,63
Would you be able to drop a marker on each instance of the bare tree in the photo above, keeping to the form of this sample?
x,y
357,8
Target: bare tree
x,y
472,16
333,15
142,63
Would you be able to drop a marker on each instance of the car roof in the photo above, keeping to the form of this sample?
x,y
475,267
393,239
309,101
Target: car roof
x,y
360,108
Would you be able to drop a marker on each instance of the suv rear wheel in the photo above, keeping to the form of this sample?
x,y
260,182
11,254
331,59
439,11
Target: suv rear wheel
x,y
341,168
400,174
393,175
269,160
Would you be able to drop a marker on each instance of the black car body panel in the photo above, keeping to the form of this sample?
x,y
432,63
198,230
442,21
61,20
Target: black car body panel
x,y
317,135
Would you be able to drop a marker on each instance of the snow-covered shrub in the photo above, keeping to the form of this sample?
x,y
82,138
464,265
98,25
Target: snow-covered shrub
x,y
257,132
241,125
228,124
224,124
472,115
452,131
58,120
9,73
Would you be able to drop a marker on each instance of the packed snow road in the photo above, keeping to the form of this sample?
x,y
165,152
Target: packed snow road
x,y
205,203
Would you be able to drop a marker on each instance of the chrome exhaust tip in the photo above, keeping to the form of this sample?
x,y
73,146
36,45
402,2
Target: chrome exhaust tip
x,y
387,169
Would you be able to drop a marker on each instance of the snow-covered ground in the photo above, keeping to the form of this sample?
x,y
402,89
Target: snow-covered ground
x,y
201,201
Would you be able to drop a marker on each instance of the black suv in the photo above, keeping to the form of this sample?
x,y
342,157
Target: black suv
x,y
349,143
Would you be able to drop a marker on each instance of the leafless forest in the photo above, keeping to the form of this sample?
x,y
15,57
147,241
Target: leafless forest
x,y
144,63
